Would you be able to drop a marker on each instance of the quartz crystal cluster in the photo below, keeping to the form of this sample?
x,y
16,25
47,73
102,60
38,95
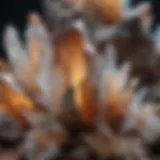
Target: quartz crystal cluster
x,y
82,84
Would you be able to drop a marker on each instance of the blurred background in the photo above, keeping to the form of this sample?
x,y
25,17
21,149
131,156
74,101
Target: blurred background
x,y
15,12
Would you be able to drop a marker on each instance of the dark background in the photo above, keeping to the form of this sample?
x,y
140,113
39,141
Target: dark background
x,y
15,12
